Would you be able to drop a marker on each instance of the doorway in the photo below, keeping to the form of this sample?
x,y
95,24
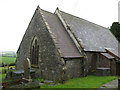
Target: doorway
x,y
93,64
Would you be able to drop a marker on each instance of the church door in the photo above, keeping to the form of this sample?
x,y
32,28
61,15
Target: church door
x,y
93,63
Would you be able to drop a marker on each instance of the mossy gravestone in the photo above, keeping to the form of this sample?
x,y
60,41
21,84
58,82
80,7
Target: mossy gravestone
x,y
27,67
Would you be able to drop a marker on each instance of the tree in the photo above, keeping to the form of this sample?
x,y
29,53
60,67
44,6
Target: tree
x,y
115,29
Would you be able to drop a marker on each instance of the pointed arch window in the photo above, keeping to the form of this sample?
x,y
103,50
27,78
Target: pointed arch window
x,y
34,52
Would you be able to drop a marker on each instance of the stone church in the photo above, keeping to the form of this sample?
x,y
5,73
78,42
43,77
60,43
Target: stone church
x,y
62,46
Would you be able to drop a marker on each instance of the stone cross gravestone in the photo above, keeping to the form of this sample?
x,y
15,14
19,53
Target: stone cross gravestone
x,y
27,67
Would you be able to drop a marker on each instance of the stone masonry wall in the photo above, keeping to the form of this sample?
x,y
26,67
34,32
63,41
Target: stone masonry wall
x,y
104,62
50,64
98,61
74,68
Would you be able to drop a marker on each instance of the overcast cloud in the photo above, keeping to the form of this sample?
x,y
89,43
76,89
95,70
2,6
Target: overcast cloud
x,y
15,15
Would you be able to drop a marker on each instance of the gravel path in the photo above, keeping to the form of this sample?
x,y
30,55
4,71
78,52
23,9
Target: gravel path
x,y
109,86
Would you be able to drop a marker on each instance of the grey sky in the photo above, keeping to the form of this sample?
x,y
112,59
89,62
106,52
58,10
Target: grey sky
x,y
16,15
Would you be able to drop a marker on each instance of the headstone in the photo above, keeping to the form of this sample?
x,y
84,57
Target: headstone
x,y
10,72
103,71
27,67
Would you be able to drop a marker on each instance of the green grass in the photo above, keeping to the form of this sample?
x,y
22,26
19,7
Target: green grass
x,y
84,82
7,60
2,69
2,77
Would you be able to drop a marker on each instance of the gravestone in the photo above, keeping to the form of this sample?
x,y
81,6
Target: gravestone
x,y
103,71
27,67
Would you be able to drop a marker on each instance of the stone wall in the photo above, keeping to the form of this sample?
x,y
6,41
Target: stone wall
x,y
89,63
74,68
104,62
95,60
113,67
49,63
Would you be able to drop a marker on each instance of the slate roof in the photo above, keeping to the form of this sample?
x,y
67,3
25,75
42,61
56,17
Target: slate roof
x,y
107,55
64,42
92,37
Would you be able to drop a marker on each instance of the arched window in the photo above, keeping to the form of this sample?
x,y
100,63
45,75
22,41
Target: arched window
x,y
34,52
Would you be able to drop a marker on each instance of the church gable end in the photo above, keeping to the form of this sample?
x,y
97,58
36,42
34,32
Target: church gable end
x,y
38,45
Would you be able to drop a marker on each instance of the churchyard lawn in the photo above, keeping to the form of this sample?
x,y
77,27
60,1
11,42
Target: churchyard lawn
x,y
84,82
